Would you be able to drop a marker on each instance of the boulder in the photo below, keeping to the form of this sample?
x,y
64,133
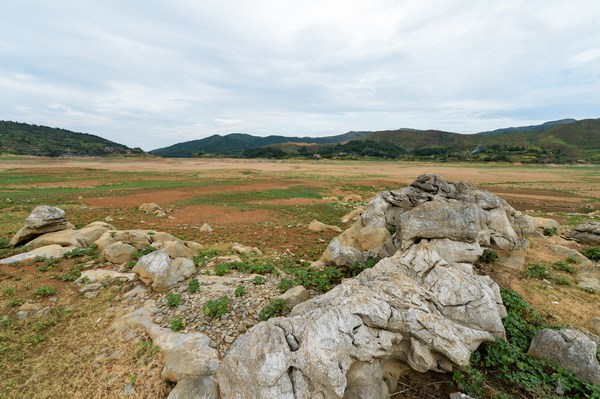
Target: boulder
x,y
571,349
195,388
81,238
177,249
412,308
318,227
245,250
103,275
119,252
187,356
586,233
136,238
430,208
157,269
49,251
43,219
149,207
295,296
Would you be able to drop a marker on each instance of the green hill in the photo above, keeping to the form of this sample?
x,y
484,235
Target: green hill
x,y
237,143
24,139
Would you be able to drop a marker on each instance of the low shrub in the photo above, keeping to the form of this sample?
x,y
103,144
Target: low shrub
x,y
45,290
177,324
173,300
537,271
193,286
240,291
217,307
592,253
550,231
275,308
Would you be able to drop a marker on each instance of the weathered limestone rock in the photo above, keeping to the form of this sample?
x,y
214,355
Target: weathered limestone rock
x,y
187,356
430,208
586,233
245,250
195,388
149,207
178,249
81,238
136,238
352,216
295,296
318,227
43,219
161,236
571,349
157,269
103,275
119,252
413,307
49,251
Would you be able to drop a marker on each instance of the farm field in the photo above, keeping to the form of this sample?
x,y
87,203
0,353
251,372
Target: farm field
x,y
258,203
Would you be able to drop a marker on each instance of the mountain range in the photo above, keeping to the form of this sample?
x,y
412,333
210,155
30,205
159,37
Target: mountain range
x,y
562,141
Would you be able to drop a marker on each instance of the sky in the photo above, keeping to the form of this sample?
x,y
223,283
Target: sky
x,y
154,73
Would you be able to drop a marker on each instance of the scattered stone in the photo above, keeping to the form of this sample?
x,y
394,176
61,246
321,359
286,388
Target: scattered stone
x,y
128,390
586,233
108,219
205,228
460,395
22,314
43,219
49,251
320,227
90,288
91,294
571,349
159,213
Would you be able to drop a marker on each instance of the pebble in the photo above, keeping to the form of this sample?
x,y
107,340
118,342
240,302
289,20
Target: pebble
x,y
22,314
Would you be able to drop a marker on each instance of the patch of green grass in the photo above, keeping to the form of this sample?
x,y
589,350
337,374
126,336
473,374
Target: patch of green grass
x,y
15,302
173,300
217,307
502,369
193,286
45,291
72,275
222,269
537,271
177,324
488,256
204,255
253,268
572,260
285,284
4,242
275,308
550,231
258,280
9,292
563,267
592,253
240,291
147,348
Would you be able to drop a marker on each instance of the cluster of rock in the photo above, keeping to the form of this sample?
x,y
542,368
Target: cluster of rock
x,y
420,307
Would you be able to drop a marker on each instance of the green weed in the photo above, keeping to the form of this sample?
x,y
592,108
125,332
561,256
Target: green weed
x,y
173,300
177,324
240,291
217,307
45,291
193,286
275,308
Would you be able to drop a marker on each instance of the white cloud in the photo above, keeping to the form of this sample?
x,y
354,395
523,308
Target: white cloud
x,y
155,73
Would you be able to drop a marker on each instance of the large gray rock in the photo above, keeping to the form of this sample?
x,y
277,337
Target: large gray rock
x,y
195,388
157,269
586,233
571,349
81,238
412,308
50,251
431,208
43,219
187,356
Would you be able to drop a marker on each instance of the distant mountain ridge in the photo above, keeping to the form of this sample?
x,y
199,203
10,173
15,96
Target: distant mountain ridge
x,y
25,139
565,140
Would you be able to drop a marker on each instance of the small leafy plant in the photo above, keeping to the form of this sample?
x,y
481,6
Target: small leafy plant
x,y
592,253
550,231
217,307
285,284
222,269
240,291
258,280
173,300
177,324
275,308
45,290
489,256
537,271
563,267
193,286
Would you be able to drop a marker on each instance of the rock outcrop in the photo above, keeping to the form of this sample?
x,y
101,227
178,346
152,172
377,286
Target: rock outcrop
x,y
571,349
160,271
81,238
43,219
49,251
420,306
586,233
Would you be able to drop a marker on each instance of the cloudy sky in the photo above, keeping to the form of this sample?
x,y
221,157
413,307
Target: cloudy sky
x,y
154,73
